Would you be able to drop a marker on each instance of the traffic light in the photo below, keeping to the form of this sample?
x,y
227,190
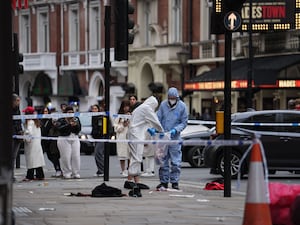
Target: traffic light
x,y
124,24
17,57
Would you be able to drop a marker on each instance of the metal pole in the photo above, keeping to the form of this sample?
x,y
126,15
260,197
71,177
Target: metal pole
x,y
227,114
6,83
250,67
107,65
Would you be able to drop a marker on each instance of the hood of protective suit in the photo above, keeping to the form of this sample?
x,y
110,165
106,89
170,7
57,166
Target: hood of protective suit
x,y
172,92
152,102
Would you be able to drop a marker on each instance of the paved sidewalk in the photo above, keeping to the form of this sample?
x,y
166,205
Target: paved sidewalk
x,y
47,203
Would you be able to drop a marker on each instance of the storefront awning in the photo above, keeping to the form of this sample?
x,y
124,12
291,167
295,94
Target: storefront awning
x,y
266,74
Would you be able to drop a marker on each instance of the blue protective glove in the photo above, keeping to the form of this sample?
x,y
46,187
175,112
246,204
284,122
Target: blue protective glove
x,y
173,132
161,135
151,131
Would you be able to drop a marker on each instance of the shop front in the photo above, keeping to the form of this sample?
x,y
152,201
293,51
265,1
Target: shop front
x,y
275,80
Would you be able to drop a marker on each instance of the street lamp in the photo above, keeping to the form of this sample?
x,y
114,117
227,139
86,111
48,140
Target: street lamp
x,y
183,57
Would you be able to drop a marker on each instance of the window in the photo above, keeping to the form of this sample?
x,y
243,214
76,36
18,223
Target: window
x,y
176,21
261,118
290,118
43,30
95,23
147,23
24,37
205,17
74,28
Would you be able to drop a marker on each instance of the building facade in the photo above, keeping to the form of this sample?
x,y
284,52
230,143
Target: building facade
x,y
165,28
63,46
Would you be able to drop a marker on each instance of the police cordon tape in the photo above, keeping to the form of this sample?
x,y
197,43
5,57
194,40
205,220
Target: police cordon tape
x,y
125,116
182,142
198,142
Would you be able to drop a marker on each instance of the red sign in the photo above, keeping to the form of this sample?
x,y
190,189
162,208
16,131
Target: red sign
x,y
20,4
237,84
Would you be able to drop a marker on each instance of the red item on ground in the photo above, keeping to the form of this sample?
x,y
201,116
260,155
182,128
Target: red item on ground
x,y
215,185
282,196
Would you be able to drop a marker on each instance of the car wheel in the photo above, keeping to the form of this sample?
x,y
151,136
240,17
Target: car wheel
x,y
234,163
195,156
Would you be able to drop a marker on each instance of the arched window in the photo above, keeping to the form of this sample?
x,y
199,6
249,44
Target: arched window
x,y
42,85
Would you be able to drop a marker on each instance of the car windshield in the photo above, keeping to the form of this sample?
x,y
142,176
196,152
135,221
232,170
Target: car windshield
x,y
86,124
85,121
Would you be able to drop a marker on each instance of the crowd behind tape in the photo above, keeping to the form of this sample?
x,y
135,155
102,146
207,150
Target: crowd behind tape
x,y
198,142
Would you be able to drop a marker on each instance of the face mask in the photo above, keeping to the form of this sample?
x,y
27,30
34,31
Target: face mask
x,y
172,102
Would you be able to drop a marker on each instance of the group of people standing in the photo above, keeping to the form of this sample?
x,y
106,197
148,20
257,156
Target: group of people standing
x,y
138,121
170,117
63,150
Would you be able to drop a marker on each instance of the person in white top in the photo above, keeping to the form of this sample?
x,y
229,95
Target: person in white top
x,y
142,118
121,127
33,148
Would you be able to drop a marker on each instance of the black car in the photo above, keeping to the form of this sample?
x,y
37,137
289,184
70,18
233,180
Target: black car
x,y
193,154
280,136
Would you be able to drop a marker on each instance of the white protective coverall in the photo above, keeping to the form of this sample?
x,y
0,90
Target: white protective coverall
x,y
143,117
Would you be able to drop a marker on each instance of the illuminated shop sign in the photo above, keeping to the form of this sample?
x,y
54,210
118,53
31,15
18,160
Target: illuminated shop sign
x,y
238,84
267,15
271,15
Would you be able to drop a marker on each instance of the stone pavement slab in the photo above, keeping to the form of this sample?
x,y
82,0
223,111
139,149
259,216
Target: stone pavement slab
x,y
47,203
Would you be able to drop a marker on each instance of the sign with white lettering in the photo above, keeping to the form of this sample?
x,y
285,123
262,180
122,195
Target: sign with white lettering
x,y
271,15
267,15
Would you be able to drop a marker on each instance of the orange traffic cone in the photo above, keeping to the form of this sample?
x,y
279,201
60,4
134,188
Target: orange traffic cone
x,y
257,208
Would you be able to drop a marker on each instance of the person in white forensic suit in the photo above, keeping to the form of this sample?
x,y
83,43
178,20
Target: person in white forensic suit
x,y
143,118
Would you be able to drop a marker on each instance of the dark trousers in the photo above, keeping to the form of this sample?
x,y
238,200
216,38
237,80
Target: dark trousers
x,y
99,157
39,173
50,147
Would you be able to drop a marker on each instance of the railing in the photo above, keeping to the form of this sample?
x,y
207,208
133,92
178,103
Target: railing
x,y
93,59
39,61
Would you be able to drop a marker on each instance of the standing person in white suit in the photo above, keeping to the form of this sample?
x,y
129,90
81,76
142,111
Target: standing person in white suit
x,y
143,118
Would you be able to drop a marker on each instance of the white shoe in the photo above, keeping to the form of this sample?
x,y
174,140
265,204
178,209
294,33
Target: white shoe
x,y
148,174
58,173
125,173
98,175
76,176
67,176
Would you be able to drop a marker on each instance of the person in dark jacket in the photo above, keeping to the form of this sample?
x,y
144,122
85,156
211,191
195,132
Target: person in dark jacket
x,y
17,128
50,146
69,145
97,133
